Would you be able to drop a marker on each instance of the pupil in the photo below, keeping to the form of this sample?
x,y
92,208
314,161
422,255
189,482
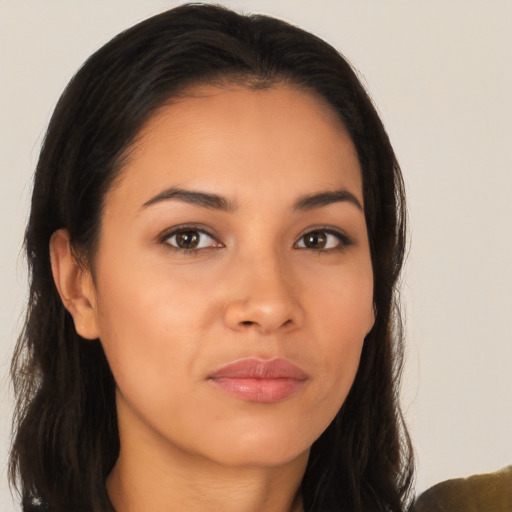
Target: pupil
x,y
187,239
316,240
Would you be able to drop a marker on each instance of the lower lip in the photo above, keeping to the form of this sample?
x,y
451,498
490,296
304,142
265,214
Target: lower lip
x,y
265,391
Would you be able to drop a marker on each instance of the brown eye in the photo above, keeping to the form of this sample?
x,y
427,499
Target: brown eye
x,y
323,240
187,239
190,239
315,240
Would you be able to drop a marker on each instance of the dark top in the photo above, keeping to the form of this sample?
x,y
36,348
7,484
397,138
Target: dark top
x,y
479,493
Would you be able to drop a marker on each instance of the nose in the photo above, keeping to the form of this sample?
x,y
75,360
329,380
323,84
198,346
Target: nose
x,y
265,299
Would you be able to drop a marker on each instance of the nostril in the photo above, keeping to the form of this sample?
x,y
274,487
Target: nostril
x,y
249,323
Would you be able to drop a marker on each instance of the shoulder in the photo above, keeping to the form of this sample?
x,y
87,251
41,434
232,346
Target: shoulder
x,y
491,492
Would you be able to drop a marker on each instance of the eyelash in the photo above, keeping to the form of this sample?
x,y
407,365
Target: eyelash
x,y
164,239
344,240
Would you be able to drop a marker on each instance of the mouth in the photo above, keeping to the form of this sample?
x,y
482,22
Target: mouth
x,y
257,380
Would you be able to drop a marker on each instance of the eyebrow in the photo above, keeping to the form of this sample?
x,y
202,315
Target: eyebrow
x,y
206,200
312,201
217,202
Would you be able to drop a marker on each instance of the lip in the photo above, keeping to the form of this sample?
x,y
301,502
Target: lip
x,y
257,380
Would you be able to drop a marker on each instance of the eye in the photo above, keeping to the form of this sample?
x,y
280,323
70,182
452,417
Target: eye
x,y
322,240
189,239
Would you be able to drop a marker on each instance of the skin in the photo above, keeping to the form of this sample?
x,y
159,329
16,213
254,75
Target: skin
x,y
167,318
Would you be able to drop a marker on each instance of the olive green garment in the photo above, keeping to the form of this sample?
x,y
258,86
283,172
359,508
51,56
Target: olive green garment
x,y
479,493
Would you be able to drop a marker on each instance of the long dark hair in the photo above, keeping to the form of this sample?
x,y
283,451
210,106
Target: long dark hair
x,y
65,428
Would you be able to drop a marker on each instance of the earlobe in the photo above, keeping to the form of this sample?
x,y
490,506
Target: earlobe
x,y
74,284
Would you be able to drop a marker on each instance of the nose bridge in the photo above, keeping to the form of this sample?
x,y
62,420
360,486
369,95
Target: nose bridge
x,y
270,277
265,293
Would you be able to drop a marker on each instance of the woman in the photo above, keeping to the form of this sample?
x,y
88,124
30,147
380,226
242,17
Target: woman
x,y
214,325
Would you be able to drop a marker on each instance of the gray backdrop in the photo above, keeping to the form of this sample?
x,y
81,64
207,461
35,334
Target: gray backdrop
x,y
440,73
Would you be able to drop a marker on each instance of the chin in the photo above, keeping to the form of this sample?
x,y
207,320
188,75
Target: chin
x,y
260,449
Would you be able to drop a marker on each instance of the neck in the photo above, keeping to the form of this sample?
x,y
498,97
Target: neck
x,y
152,487
152,474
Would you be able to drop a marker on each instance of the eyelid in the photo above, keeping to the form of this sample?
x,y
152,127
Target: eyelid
x,y
344,239
175,230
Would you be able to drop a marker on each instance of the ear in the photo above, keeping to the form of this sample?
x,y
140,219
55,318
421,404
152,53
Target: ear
x,y
371,319
74,284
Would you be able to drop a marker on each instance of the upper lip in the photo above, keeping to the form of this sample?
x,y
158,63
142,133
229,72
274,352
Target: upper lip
x,y
254,368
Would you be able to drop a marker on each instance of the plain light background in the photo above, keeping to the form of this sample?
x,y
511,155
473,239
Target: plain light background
x,y
441,76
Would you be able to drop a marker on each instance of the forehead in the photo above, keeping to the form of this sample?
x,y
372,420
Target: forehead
x,y
234,140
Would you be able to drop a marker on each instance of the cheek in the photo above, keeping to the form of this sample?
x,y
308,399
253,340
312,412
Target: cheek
x,y
147,331
343,316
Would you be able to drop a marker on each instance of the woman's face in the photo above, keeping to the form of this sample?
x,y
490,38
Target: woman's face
x,y
233,283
